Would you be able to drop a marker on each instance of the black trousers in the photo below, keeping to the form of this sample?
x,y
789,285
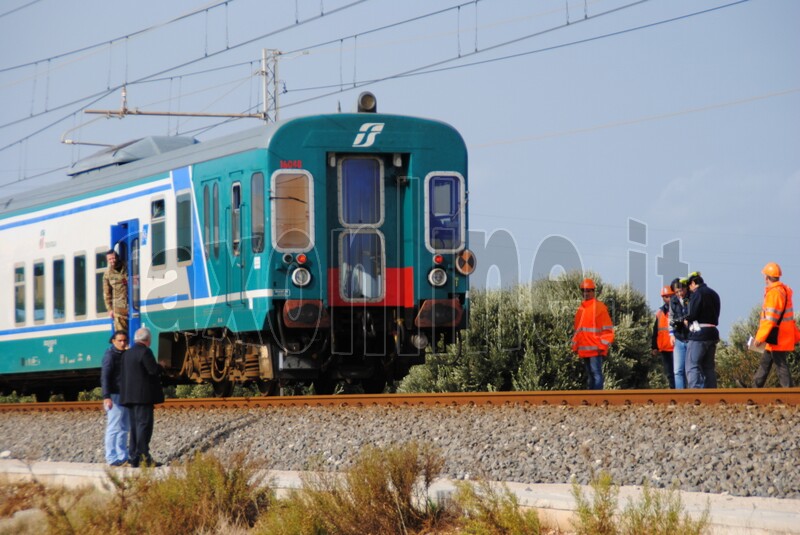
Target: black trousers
x,y
781,366
141,433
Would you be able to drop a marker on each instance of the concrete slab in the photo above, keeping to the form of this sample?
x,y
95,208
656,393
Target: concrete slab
x,y
730,515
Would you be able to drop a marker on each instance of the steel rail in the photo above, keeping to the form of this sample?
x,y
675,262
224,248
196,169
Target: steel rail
x,y
575,398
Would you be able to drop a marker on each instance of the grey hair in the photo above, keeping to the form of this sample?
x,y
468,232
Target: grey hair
x,y
142,335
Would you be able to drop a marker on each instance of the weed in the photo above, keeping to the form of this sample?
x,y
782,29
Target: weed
x,y
656,513
596,517
659,513
487,509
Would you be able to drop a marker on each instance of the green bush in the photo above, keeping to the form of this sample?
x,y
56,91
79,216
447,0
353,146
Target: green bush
x,y
520,339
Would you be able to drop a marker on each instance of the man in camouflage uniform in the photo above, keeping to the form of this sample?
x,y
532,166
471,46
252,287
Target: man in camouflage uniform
x,y
115,290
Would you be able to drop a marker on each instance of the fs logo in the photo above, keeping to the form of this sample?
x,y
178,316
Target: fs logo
x,y
367,133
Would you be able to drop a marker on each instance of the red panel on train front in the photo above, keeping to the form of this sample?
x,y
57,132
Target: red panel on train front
x,y
399,289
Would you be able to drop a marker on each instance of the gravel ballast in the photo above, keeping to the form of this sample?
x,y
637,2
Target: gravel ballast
x,y
735,449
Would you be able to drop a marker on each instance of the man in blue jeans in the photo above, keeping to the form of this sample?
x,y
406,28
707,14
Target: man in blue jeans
x,y
117,418
702,319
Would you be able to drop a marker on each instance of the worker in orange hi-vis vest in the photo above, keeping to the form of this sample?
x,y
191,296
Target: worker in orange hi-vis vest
x,y
661,342
777,330
594,333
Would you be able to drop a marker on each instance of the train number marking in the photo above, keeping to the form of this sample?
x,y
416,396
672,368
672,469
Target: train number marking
x,y
291,164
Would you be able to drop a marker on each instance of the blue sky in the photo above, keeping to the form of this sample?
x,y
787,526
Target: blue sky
x,y
588,122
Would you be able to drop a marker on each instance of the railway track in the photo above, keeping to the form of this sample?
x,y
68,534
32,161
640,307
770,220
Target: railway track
x,y
755,396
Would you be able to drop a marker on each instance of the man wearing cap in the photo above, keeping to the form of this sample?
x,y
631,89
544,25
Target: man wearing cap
x,y
777,315
662,343
115,290
702,319
594,333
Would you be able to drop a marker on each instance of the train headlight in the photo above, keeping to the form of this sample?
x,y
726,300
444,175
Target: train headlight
x,y
301,277
437,277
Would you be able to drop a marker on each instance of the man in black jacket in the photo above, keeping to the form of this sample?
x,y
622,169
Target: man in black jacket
x,y
140,390
702,320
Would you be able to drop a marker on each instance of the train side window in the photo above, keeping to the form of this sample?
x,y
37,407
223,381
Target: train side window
x,y
100,265
158,239
292,200
216,220
79,285
444,219
19,294
183,211
257,211
59,290
38,291
206,221
236,217
361,192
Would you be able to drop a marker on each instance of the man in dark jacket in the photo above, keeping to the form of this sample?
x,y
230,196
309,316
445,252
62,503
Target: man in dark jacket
x,y
117,421
702,319
140,391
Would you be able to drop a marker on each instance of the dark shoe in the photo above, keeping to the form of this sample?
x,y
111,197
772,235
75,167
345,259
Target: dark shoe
x,y
117,463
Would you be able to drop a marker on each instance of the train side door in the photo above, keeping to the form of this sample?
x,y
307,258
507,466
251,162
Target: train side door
x,y
222,213
125,240
236,250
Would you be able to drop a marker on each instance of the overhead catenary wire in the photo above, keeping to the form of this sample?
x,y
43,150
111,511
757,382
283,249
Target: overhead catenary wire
x,y
427,69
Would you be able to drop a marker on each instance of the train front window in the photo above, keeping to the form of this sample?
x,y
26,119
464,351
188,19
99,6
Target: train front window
x,y
292,202
362,265
444,219
19,294
361,191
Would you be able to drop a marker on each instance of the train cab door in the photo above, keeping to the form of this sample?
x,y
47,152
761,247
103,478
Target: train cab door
x,y
367,247
125,240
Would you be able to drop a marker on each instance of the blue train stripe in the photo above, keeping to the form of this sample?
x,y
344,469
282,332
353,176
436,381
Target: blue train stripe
x,y
165,300
84,208
57,327
196,271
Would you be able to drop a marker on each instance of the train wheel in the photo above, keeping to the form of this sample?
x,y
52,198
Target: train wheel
x,y
267,387
222,389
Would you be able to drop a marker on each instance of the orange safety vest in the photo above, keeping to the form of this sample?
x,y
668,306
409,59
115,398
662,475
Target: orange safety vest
x,y
594,331
777,297
662,339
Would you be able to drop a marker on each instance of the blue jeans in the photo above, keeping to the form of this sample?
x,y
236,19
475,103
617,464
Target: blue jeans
x,y
700,364
594,369
679,364
117,428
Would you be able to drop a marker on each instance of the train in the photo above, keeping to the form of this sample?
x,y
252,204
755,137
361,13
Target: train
x,y
309,251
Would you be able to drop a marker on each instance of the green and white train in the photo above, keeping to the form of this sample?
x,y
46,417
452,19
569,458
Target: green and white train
x,y
316,249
